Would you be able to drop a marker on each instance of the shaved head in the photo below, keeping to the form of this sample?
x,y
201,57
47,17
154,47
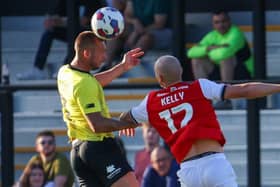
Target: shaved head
x,y
168,70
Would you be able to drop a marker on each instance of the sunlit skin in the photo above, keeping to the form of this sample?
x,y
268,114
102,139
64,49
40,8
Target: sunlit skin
x,y
98,55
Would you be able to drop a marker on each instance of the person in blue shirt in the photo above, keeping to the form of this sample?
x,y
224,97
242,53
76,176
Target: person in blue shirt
x,y
162,171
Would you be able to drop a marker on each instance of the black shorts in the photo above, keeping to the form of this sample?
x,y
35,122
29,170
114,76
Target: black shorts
x,y
98,163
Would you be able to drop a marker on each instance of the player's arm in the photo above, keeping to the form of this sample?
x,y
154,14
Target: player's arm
x,y
130,60
99,124
137,114
250,90
127,117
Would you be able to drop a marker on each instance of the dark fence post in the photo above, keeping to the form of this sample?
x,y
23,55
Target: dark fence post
x,y
253,108
253,143
7,138
178,48
72,26
1,49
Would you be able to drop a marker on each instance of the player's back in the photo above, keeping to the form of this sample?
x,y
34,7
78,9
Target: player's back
x,y
182,114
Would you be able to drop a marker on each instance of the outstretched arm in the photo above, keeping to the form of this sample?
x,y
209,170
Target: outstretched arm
x,y
250,90
99,124
126,117
130,60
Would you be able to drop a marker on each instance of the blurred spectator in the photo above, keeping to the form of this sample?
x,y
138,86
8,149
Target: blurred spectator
x,y
56,29
222,54
56,166
147,27
162,171
142,157
118,4
34,176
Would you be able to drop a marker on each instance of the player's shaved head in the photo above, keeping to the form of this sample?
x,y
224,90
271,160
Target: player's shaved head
x,y
168,70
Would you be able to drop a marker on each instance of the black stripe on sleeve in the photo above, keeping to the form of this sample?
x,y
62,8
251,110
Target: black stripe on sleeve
x,y
223,93
132,117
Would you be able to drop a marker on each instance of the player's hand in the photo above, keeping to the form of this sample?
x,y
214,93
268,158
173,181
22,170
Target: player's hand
x,y
127,132
132,58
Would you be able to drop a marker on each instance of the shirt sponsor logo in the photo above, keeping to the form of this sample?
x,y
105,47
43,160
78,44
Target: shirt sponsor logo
x,y
183,87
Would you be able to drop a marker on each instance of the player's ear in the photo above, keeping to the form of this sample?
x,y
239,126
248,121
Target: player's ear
x,y
86,53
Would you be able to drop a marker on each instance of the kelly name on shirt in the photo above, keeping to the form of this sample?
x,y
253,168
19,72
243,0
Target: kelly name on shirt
x,y
172,98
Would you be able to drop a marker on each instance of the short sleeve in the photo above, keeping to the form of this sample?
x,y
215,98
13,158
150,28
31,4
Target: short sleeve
x,y
139,113
212,90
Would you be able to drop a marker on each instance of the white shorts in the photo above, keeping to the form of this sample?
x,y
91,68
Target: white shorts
x,y
209,171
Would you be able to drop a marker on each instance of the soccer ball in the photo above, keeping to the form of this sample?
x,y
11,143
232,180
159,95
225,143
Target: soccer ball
x,y
107,23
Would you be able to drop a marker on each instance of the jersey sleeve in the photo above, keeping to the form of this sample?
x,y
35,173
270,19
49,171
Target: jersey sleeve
x,y
139,113
212,90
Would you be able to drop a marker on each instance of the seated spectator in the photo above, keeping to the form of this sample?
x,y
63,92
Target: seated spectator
x,y
162,171
222,54
142,157
34,176
147,27
56,166
56,29
118,4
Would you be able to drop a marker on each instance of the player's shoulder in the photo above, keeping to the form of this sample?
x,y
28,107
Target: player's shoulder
x,y
206,84
205,81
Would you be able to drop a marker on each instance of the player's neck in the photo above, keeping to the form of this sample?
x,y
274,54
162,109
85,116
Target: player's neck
x,y
75,64
172,83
